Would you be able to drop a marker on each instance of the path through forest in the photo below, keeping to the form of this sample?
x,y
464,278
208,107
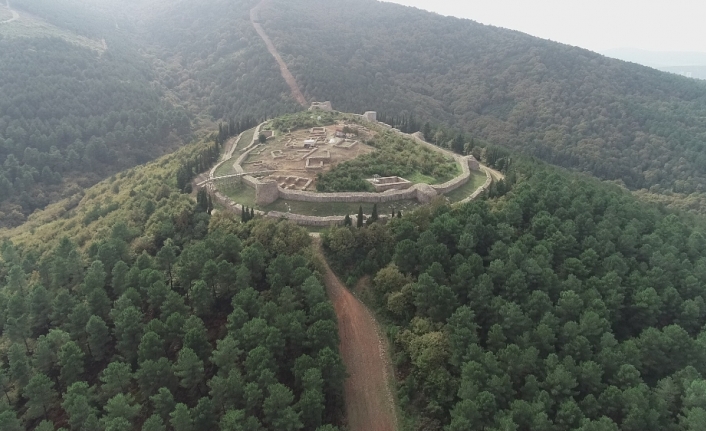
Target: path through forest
x,y
286,74
370,405
15,15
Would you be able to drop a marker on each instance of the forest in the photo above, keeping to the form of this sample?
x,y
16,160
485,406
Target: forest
x,y
393,156
566,304
554,303
70,115
157,315
565,105
211,57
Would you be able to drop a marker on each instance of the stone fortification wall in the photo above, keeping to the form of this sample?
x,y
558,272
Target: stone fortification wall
x,y
458,181
364,197
303,220
238,165
266,192
255,138
230,203
392,186
464,162
481,189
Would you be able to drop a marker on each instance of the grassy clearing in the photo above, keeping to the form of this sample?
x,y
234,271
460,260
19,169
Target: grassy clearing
x,y
240,193
226,168
247,138
477,179
418,177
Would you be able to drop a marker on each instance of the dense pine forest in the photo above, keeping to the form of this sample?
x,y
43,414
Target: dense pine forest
x,y
156,314
131,301
566,304
70,114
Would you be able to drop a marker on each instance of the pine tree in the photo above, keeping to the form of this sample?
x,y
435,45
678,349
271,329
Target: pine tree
x,y
458,144
98,337
427,132
189,368
40,396
71,362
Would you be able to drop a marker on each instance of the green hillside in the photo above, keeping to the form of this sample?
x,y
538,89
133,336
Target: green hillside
x,y
565,105
73,110
134,308
566,304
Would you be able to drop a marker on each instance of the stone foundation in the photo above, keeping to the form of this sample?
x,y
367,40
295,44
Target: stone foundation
x,y
389,183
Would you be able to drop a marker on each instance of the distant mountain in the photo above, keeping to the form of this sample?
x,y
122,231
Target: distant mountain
x,y
658,59
566,105
696,72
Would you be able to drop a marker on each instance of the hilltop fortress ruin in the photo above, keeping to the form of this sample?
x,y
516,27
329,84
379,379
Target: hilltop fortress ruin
x,y
285,167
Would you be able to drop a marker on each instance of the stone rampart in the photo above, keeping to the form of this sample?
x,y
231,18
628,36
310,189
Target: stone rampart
x,y
314,221
266,192
231,204
363,197
458,181
481,189
238,165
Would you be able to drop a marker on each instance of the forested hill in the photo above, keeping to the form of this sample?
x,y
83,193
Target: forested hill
x,y
77,104
135,309
563,104
566,304
209,55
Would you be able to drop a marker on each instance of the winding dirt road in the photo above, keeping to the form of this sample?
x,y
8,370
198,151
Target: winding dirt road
x,y
15,15
286,74
370,405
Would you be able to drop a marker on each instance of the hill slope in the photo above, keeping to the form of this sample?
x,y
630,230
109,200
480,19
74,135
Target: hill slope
x,y
566,105
135,308
567,304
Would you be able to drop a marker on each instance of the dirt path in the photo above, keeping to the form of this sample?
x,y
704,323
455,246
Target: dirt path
x,y
370,405
286,74
497,175
15,15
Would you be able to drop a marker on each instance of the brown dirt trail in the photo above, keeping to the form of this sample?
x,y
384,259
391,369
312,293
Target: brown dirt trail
x,y
370,405
286,74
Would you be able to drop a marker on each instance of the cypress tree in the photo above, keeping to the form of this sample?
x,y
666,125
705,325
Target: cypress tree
x,y
374,216
347,221
359,222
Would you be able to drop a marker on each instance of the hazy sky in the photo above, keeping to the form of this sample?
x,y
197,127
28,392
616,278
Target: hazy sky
x,y
598,25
